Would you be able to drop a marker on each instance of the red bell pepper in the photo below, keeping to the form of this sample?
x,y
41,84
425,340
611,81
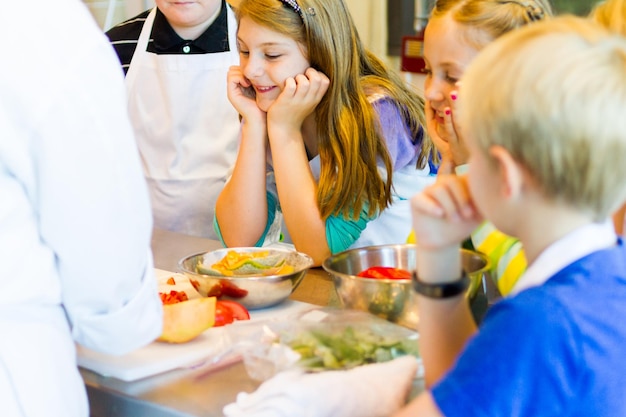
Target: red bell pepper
x,y
173,297
385,272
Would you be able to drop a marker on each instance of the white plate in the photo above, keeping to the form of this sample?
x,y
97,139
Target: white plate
x,y
158,357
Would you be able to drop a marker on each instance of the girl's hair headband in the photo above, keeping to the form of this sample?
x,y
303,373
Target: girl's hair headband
x,y
296,8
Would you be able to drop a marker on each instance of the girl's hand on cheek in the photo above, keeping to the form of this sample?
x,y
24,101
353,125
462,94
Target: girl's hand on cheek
x,y
241,95
299,98
440,143
458,151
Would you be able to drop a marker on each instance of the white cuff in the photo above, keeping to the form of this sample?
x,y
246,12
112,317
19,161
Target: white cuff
x,y
137,323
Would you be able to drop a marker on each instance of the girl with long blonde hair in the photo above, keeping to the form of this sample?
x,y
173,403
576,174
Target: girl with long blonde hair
x,y
331,138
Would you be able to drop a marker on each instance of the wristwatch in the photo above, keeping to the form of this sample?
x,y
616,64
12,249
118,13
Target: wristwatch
x,y
441,290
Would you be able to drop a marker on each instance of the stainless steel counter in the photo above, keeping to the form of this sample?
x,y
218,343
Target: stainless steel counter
x,y
187,392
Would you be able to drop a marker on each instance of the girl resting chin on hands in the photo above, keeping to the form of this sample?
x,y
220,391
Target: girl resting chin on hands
x,y
332,142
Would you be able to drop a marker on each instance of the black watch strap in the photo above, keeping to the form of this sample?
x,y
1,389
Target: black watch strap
x,y
441,290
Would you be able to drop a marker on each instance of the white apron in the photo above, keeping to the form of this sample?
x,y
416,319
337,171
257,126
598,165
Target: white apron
x,y
186,130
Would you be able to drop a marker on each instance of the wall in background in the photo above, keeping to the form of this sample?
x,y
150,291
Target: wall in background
x,y
108,13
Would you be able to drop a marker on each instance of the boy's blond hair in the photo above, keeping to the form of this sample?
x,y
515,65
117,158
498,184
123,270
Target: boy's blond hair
x,y
554,95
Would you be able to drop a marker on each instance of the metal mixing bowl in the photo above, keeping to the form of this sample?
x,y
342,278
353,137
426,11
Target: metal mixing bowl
x,y
391,299
258,291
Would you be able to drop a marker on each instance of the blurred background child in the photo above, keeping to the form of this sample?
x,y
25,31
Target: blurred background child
x,y
456,32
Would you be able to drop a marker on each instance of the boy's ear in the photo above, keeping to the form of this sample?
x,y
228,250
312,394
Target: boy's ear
x,y
510,173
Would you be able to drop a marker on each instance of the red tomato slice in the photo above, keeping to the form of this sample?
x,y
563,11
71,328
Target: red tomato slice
x,y
223,314
385,272
238,311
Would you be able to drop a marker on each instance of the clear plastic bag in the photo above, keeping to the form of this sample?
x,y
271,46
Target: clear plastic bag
x,y
320,339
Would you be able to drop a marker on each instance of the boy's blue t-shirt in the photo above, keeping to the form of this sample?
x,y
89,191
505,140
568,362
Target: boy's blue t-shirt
x,y
552,350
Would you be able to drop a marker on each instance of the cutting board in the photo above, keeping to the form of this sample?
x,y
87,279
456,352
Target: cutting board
x,y
158,357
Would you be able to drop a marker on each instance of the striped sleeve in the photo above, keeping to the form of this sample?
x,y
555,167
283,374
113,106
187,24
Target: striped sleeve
x,y
505,252
506,255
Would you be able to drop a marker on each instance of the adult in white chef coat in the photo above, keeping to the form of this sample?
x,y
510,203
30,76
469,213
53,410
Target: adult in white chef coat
x,y
75,224
177,56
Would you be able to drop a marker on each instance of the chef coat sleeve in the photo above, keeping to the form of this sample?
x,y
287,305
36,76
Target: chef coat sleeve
x,y
93,204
